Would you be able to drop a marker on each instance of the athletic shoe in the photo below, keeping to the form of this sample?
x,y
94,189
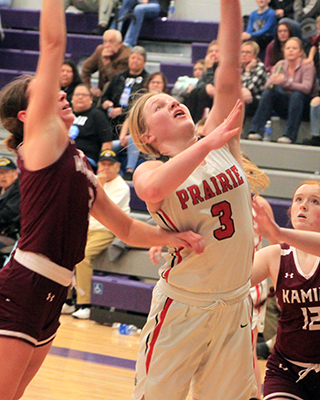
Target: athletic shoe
x,y
67,309
314,141
284,139
254,136
128,176
99,31
82,313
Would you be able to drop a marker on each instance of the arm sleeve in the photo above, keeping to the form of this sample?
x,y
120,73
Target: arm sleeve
x,y
89,67
107,95
298,10
307,81
270,23
268,57
255,80
103,127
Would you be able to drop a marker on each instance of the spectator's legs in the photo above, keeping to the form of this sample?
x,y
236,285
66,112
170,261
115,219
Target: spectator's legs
x,y
264,111
126,8
251,108
298,101
141,11
96,243
314,122
85,5
315,116
67,3
133,155
105,10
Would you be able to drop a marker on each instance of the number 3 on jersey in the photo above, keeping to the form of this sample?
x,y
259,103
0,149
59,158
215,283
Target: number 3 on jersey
x,y
224,212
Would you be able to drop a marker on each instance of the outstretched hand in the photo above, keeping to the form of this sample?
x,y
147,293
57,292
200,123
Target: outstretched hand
x,y
264,225
224,132
187,240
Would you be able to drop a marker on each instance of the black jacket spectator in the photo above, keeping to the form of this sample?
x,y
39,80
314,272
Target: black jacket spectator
x,y
285,5
90,130
115,90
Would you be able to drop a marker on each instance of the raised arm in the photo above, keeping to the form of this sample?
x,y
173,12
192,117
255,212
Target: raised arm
x,y
304,240
228,76
45,135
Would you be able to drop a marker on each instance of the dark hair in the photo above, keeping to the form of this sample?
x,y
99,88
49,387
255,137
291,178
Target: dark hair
x,y
76,80
84,85
14,97
277,53
165,81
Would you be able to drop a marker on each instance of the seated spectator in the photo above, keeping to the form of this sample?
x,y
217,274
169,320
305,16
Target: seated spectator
x,y
185,84
109,59
200,99
90,130
9,204
103,7
306,9
116,99
254,76
285,13
288,92
156,82
314,123
261,25
99,237
69,78
146,9
312,36
282,8
9,198
274,50
125,148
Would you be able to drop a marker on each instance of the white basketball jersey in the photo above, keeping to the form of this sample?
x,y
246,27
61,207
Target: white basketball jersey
x,y
215,201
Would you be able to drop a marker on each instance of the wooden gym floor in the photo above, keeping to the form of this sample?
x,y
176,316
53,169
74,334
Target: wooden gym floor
x,y
87,361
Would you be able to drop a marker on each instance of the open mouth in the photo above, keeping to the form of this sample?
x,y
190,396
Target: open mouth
x,y
178,114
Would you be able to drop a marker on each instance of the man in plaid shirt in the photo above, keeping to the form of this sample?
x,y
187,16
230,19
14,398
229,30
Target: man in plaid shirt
x,y
254,76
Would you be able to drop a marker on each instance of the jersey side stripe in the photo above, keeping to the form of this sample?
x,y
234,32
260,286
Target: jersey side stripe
x,y
157,332
167,220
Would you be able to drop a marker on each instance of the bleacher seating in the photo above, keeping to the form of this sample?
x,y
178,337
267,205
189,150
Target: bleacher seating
x,y
21,35
286,165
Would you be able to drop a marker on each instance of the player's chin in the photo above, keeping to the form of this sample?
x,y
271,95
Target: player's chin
x,y
68,119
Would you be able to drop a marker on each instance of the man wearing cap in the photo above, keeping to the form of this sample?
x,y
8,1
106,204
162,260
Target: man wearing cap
x,y
9,202
99,237
117,98
309,32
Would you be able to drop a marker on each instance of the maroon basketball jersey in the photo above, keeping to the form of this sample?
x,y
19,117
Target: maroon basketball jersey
x,y
298,334
55,205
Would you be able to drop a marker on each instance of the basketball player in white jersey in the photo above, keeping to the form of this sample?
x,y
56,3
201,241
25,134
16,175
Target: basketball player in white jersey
x,y
198,333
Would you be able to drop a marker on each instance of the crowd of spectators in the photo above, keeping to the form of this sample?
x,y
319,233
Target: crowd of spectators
x,y
279,77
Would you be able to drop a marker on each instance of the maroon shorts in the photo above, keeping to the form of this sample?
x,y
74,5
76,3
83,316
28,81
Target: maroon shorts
x,y
281,380
30,304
